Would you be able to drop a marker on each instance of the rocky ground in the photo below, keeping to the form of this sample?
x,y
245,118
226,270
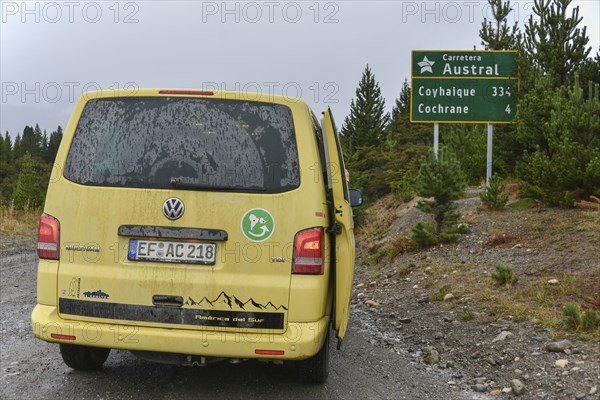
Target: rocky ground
x,y
440,308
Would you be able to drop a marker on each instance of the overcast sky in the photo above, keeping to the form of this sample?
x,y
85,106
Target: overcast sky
x,y
51,51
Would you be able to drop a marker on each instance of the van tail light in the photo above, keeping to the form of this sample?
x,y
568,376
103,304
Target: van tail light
x,y
308,252
48,238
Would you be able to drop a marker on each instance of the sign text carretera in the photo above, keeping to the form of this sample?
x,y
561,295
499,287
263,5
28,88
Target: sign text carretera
x,y
464,86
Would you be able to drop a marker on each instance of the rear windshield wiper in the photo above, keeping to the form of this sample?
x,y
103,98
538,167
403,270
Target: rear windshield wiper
x,y
182,183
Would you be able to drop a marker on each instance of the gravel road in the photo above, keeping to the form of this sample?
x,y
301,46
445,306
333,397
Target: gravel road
x,y
33,369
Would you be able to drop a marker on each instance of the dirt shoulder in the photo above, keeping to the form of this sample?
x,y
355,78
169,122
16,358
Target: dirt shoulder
x,y
485,335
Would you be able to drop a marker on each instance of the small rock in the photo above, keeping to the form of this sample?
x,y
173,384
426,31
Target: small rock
x,y
536,353
502,336
506,390
480,387
416,287
580,396
423,299
496,392
481,379
373,283
559,347
517,387
438,335
432,357
594,389
448,297
405,320
490,360
538,339
447,319
360,285
553,281
561,363
372,303
360,295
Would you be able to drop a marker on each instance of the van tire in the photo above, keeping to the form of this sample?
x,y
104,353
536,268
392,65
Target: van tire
x,y
83,358
316,368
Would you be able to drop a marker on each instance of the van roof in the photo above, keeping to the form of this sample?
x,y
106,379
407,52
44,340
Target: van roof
x,y
198,93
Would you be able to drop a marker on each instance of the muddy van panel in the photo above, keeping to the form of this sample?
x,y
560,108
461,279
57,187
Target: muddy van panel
x,y
184,213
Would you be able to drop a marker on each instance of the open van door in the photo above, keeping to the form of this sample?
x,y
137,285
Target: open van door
x,y
341,227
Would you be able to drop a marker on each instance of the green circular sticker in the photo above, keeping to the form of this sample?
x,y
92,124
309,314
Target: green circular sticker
x,y
258,224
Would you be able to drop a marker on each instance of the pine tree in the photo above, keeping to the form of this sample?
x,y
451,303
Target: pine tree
x,y
53,144
553,43
16,153
29,141
5,148
401,111
8,147
28,192
367,123
564,164
496,35
440,184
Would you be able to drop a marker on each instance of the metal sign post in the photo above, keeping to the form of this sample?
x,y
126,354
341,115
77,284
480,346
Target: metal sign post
x,y
436,138
490,135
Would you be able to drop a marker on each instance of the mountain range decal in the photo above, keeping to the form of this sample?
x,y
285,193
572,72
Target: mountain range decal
x,y
233,302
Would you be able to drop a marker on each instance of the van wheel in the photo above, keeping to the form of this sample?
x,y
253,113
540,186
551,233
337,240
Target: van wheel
x,y
316,368
83,358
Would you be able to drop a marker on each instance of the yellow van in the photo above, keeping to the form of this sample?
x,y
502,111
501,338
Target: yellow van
x,y
191,226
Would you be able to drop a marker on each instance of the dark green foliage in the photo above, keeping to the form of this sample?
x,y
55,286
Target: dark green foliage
x,y
423,236
53,143
555,45
496,35
468,144
25,166
28,190
382,155
367,123
440,183
565,163
504,275
494,197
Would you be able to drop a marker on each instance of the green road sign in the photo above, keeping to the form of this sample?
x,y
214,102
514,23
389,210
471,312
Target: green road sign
x,y
464,64
464,86
463,100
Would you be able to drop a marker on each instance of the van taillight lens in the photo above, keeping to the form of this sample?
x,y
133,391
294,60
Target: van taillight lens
x,y
48,237
308,252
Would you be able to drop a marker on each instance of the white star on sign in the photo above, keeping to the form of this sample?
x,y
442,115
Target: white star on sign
x,y
426,65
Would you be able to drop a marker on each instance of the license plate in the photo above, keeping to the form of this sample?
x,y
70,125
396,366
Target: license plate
x,y
174,252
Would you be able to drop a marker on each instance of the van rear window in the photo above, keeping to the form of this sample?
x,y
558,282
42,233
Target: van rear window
x,y
187,143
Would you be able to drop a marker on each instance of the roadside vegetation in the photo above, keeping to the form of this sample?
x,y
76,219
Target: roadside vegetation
x,y
545,165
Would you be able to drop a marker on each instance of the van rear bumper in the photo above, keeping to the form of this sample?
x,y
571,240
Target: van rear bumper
x,y
300,340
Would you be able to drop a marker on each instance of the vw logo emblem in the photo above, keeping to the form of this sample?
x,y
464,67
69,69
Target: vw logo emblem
x,y
173,208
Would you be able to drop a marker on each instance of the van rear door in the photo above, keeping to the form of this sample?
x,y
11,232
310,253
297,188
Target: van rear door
x,y
173,209
343,227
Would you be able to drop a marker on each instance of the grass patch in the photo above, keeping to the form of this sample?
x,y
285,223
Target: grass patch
x,y
504,276
586,321
441,292
18,221
466,315
522,204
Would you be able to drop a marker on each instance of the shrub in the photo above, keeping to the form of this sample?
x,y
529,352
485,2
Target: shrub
x,y
440,184
504,276
574,319
423,235
494,197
